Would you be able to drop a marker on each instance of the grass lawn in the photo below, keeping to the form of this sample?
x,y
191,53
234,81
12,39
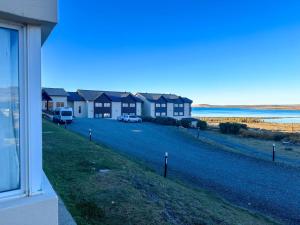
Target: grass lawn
x,y
126,192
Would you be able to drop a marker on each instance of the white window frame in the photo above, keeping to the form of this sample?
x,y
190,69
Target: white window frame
x,y
180,105
23,121
175,113
157,114
132,105
124,105
106,115
106,104
163,105
176,105
98,104
157,105
181,113
163,114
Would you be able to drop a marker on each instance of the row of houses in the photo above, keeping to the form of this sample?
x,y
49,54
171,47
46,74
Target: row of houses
x,y
112,104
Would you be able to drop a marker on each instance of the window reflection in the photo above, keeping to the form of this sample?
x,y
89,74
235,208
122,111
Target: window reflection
x,y
9,110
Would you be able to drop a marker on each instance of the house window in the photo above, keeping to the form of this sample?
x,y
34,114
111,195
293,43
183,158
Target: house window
x,y
59,104
132,114
181,105
98,104
157,105
176,105
79,109
157,114
106,104
106,115
175,113
98,115
163,114
125,114
180,113
125,104
163,105
132,105
9,111
50,105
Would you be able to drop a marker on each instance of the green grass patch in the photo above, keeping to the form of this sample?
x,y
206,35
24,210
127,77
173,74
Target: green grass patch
x,y
125,192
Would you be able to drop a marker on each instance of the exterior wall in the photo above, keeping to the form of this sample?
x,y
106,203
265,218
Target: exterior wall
x,y
152,109
138,108
39,209
116,110
160,109
170,109
128,110
56,99
75,107
102,110
187,110
146,106
90,109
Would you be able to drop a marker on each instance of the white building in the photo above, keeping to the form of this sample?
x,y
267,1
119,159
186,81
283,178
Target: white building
x,y
110,104
53,98
168,105
26,196
78,104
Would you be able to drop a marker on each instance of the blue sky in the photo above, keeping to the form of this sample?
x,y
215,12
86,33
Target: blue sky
x,y
214,52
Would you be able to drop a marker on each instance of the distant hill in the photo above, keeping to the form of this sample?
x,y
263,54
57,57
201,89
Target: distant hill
x,y
282,107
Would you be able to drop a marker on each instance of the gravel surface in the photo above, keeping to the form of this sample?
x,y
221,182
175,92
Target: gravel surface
x,y
259,185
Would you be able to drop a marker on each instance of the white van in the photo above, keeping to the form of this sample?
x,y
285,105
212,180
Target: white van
x,y
63,115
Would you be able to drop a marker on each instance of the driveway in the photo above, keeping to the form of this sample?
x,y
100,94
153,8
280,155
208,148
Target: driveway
x,y
269,188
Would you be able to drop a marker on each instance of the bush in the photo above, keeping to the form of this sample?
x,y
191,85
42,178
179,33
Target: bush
x,y
185,123
202,125
165,121
231,128
148,119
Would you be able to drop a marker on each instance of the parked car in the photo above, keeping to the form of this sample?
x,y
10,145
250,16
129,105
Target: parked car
x,y
120,118
132,119
63,115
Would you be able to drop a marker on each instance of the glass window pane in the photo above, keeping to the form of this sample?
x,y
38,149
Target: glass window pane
x,y
9,110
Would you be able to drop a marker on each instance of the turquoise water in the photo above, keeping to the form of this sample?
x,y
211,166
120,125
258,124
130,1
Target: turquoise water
x,y
276,116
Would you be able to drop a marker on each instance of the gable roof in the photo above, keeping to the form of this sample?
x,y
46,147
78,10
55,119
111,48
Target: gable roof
x,y
55,92
115,96
172,98
74,96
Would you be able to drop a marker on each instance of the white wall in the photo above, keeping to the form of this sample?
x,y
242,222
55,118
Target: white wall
x,y
138,108
56,99
187,110
83,113
115,110
90,109
170,109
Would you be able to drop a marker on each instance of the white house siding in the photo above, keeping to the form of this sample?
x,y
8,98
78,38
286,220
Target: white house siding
x,y
76,106
90,109
152,109
138,108
115,110
170,109
146,106
187,110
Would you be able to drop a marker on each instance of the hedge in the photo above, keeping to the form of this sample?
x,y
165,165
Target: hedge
x,y
231,128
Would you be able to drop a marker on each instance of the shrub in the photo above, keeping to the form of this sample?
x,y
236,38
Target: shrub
x,y
185,123
148,119
165,121
202,125
231,128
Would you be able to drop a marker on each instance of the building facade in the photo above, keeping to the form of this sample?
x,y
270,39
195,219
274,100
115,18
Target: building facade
x,y
110,104
53,98
26,196
168,105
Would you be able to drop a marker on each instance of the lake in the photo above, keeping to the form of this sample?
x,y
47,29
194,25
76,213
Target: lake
x,y
272,115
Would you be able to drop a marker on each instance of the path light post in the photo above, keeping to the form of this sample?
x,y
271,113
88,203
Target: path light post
x,y
274,150
198,134
166,164
90,134
65,124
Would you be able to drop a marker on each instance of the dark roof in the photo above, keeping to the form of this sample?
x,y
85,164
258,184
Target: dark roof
x,y
74,96
115,96
55,92
152,97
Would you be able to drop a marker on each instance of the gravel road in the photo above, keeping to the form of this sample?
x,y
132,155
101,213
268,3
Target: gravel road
x,y
259,185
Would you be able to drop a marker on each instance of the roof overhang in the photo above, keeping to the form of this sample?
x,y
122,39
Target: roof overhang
x,y
36,12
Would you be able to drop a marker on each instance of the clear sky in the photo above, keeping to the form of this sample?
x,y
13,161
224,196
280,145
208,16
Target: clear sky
x,y
212,51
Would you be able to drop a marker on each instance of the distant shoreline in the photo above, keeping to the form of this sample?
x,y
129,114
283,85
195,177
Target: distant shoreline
x,y
276,107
